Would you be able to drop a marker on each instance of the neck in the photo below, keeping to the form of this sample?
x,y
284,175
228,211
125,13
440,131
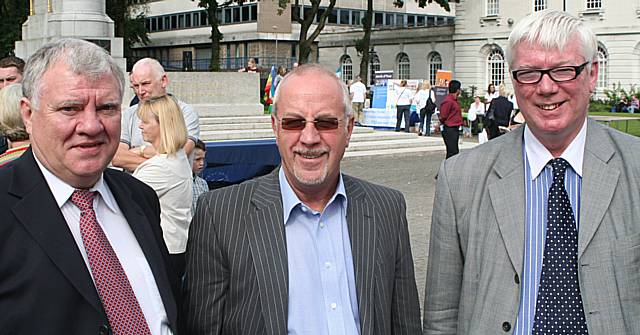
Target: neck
x,y
18,144
316,197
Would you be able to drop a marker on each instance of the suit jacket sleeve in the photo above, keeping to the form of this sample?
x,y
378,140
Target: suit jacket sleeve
x,y
207,273
445,264
405,306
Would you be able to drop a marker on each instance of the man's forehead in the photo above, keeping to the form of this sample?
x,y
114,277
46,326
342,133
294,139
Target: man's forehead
x,y
9,71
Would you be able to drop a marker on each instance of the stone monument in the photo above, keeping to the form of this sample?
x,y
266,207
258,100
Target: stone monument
x,y
53,19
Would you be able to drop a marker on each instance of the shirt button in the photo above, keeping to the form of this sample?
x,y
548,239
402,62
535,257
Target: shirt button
x,y
321,224
327,265
334,305
506,326
516,279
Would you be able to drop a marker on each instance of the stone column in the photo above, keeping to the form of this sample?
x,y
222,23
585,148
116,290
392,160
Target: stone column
x,y
53,19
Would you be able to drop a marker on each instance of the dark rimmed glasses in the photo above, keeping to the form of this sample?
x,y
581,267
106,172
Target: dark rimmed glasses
x,y
558,74
321,123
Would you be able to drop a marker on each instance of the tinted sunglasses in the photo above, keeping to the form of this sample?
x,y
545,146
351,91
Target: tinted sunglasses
x,y
321,124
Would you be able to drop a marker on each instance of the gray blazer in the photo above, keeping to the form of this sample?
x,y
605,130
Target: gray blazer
x,y
237,275
477,236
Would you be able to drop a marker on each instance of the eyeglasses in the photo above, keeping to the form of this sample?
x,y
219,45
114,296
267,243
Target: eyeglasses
x,y
558,74
321,124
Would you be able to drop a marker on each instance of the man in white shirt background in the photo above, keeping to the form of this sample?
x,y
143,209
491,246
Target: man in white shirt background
x,y
358,92
149,80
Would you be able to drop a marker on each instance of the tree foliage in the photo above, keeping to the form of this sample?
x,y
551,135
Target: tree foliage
x,y
129,22
306,40
13,13
212,7
362,45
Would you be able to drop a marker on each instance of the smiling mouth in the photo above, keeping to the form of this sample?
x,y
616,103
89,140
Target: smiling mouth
x,y
311,154
550,107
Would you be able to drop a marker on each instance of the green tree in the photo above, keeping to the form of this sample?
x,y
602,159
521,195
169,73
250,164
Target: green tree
x,y
13,13
212,7
129,19
363,44
306,40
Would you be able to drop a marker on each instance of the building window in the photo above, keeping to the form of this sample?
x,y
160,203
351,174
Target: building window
x,y
495,67
374,65
435,64
602,67
346,66
404,66
594,4
492,7
539,5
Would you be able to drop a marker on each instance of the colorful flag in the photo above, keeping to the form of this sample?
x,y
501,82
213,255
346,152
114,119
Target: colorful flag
x,y
268,94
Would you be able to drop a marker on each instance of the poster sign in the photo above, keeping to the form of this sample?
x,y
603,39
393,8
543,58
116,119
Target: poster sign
x,y
443,77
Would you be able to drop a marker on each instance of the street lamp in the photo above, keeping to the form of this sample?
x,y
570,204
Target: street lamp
x,y
275,30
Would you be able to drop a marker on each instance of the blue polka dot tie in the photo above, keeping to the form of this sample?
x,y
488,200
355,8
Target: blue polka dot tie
x,y
559,305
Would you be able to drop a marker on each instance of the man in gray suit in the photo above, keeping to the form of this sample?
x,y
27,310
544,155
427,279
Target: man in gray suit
x,y
305,249
537,232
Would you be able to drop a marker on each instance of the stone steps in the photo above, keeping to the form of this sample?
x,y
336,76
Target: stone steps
x,y
365,141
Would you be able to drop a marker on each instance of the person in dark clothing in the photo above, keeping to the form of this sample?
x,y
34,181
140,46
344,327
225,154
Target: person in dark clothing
x,y
499,113
451,118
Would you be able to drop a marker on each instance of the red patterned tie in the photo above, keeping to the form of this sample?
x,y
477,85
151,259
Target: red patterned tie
x,y
120,303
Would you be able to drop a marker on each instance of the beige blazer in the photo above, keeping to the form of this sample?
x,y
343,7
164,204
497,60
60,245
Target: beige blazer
x,y
477,237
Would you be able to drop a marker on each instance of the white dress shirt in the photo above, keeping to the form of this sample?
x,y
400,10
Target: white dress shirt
x,y
122,240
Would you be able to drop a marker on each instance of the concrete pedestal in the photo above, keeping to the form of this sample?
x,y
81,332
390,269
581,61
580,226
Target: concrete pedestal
x,y
84,19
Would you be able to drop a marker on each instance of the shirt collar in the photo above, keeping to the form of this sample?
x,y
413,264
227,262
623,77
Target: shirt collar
x,y
63,191
290,200
538,156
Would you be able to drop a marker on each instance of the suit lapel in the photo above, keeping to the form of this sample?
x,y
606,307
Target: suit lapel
x,y
362,234
39,213
507,196
266,236
141,228
598,178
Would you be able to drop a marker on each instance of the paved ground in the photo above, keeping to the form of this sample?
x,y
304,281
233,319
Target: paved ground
x,y
413,175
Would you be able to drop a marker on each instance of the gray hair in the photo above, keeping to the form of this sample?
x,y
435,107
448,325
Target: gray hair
x,y
82,58
11,124
552,29
153,64
319,70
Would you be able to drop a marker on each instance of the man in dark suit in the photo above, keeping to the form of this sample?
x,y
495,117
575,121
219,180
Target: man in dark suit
x,y
82,250
305,249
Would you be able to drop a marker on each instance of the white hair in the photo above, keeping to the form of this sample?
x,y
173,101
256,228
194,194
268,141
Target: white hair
x,y
319,70
154,65
81,57
552,29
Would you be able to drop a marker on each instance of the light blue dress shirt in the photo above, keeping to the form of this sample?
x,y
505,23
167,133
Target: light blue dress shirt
x,y
538,180
322,290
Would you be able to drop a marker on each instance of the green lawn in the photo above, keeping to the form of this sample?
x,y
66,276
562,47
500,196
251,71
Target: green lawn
x,y
632,127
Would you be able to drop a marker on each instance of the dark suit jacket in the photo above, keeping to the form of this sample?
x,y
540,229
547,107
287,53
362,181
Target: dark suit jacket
x,y
237,271
45,286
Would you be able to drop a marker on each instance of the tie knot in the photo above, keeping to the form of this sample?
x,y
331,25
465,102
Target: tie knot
x,y
559,166
83,199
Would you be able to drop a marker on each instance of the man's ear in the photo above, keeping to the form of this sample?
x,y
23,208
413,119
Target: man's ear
x,y
26,109
165,81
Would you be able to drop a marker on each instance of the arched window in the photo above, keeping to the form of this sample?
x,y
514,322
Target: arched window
x,y
374,65
495,67
404,66
602,67
435,64
346,66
